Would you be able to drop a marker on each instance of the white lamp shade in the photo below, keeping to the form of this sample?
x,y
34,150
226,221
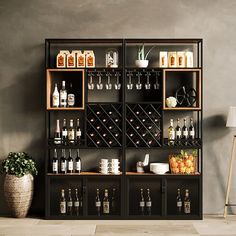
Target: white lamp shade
x,y
231,119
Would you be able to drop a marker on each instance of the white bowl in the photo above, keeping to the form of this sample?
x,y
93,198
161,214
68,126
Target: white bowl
x,y
141,63
159,168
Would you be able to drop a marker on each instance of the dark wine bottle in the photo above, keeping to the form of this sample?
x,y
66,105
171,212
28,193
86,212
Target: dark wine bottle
x,y
141,202
148,203
78,165
76,203
57,134
63,162
70,168
69,203
98,203
114,201
55,163
64,133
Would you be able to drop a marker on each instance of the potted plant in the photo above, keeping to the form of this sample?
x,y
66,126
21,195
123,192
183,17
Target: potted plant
x,y
19,168
142,57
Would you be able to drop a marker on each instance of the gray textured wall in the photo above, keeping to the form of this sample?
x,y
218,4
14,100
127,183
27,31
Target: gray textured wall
x,y
25,24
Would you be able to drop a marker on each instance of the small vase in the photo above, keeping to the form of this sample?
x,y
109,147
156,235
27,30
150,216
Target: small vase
x,y
141,63
18,194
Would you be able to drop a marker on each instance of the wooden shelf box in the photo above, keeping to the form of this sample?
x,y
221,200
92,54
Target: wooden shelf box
x,y
74,76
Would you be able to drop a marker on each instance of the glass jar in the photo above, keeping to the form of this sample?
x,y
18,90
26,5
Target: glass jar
x,y
112,58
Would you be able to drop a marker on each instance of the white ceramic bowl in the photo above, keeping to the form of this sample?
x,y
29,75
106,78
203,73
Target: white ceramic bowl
x,y
141,63
159,168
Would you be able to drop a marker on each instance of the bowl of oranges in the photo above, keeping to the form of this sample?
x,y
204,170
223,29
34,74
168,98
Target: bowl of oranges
x,y
183,163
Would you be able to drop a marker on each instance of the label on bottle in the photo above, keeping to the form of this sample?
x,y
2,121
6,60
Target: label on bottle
x,y
185,133
142,204
76,204
171,134
63,167
178,133
55,100
98,204
179,204
71,135
78,133
192,133
57,140
187,208
63,97
69,204
64,133
148,204
106,208
71,100
70,165
78,166
63,207
55,166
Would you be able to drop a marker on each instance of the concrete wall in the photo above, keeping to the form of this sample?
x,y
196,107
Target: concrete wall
x,y
25,24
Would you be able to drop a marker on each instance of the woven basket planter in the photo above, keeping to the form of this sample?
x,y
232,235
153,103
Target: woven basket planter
x,y
18,194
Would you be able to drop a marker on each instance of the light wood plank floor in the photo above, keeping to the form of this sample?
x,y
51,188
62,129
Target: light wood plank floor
x,y
210,226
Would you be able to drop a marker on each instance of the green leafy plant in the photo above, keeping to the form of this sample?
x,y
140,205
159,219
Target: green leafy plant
x,y
141,52
19,164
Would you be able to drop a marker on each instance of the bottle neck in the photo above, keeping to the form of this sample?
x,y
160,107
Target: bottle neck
x,y
58,126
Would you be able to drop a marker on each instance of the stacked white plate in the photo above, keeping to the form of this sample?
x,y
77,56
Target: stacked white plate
x,y
109,166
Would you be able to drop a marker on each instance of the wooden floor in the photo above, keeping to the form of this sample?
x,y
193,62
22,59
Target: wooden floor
x,y
210,226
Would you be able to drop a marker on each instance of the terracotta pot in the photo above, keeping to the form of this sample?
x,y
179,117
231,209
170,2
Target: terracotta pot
x,y
18,194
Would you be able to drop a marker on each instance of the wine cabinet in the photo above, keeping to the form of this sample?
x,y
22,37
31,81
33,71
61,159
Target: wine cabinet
x,y
114,115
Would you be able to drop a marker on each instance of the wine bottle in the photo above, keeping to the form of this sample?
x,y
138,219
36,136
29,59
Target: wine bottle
x,y
171,133
78,133
178,132
76,203
187,203
63,95
141,202
106,203
70,163
98,203
63,202
55,97
71,97
55,163
185,132
179,202
148,203
114,201
63,162
71,133
116,120
191,130
69,203
57,134
81,201
64,133
77,163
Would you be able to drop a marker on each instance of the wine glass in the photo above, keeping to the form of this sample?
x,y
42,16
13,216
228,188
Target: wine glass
x,y
148,85
108,85
117,84
130,85
139,85
100,84
90,84
157,85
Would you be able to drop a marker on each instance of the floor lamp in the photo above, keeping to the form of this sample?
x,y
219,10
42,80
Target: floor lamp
x,y
231,122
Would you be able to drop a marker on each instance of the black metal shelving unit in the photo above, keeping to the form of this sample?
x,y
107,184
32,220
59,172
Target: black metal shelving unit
x,y
120,142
